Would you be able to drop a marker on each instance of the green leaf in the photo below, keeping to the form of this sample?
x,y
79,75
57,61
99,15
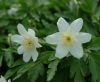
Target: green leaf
x,y
26,67
4,22
95,45
18,63
52,69
94,66
1,58
34,73
9,57
78,70
79,77
88,6
45,56
11,72
23,69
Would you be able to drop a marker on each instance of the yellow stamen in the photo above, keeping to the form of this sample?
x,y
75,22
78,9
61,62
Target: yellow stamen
x,y
68,38
28,43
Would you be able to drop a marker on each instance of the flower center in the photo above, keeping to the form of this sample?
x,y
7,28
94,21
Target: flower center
x,y
68,38
28,43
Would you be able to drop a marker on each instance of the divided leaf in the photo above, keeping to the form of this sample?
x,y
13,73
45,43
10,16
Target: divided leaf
x,y
78,70
34,73
52,69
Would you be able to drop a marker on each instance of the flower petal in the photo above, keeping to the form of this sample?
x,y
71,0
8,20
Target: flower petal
x,y
54,38
76,25
31,32
61,51
17,38
26,56
34,55
76,50
21,29
20,50
84,37
38,45
9,80
62,24
2,79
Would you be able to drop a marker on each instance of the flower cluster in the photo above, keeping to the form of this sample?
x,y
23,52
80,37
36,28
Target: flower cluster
x,y
69,39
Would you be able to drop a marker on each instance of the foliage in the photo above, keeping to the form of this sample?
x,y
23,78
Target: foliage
x,y
42,15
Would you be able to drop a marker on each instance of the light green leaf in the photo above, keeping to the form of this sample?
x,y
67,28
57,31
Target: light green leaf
x,y
95,45
34,73
94,66
52,69
9,57
78,77
77,70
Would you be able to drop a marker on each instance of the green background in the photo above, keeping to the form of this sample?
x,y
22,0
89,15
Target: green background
x,y
42,16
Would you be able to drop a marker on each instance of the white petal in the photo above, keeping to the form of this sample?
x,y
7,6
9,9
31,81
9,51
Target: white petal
x,y
9,80
54,38
76,25
62,24
21,29
17,38
26,56
20,50
34,55
84,37
2,79
31,32
61,51
76,50
38,45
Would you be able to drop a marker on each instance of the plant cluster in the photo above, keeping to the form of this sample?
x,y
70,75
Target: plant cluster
x,y
57,41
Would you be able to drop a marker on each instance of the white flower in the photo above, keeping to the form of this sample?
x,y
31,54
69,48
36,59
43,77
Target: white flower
x,y
2,79
12,11
28,43
69,39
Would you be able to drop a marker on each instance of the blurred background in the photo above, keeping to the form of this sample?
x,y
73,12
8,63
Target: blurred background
x,y
42,16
